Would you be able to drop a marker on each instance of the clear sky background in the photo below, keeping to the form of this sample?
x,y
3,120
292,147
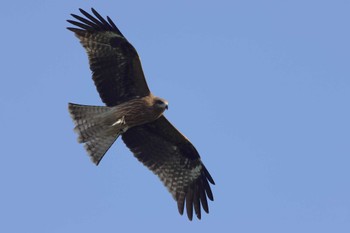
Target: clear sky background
x,y
261,88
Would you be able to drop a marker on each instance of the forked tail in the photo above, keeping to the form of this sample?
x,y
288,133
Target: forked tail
x,y
97,128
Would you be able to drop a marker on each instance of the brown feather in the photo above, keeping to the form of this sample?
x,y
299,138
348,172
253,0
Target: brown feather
x,y
119,79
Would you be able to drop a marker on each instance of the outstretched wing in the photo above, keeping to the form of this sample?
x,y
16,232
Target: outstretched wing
x,y
169,154
114,62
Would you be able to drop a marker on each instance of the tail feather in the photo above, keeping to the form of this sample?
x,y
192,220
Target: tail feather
x,y
94,125
98,146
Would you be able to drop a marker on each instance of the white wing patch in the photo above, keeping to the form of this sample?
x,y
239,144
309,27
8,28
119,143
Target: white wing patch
x,y
195,172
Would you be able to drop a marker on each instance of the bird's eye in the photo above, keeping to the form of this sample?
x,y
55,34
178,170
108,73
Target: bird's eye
x,y
159,102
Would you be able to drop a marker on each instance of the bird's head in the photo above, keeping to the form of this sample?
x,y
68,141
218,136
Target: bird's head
x,y
160,104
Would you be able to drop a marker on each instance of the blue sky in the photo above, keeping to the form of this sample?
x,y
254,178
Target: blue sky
x,y
261,88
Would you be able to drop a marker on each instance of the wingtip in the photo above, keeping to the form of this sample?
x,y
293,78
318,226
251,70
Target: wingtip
x,y
189,217
180,205
70,29
190,212
93,10
189,202
78,32
70,21
82,11
208,176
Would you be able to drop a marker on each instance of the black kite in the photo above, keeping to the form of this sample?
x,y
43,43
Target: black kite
x,y
135,113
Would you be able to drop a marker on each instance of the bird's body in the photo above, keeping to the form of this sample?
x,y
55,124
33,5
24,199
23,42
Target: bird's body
x,y
95,124
135,113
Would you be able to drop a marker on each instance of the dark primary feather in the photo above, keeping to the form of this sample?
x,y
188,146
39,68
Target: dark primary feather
x,y
114,62
165,151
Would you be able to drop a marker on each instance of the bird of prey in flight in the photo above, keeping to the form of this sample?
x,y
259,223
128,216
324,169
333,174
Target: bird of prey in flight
x,y
133,112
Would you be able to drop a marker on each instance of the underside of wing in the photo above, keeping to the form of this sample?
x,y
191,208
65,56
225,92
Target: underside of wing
x,y
169,154
114,62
